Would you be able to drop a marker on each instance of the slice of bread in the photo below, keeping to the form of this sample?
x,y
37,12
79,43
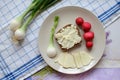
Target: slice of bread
x,y
68,37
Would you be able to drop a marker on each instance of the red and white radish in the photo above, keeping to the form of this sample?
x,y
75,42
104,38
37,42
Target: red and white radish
x,y
88,36
89,44
79,21
86,26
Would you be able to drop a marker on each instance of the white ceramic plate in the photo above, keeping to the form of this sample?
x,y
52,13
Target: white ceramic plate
x,y
67,16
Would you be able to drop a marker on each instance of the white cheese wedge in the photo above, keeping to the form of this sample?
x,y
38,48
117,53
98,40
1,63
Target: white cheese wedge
x,y
77,58
60,59
74,60
66,60
85,58
69,61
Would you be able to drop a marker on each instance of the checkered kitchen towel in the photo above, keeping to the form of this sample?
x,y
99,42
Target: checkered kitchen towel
x,y
16,61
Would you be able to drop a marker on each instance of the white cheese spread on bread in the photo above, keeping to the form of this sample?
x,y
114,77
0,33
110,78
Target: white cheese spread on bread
x,y
68,36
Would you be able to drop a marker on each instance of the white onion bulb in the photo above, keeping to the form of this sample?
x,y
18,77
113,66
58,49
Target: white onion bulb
x,y
19,34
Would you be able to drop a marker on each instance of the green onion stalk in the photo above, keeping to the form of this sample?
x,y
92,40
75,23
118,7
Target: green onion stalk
x,y
17,22
51,51
34,10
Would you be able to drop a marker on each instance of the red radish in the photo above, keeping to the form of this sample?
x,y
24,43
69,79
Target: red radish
x,y
88,36
89,44
86,26
79,21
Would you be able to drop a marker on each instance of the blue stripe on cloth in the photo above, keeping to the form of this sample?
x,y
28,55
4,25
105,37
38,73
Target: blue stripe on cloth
x,y
109,12
29,78
13,75
4,66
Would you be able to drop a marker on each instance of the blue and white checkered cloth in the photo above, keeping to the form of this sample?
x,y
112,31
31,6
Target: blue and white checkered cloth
x,y
16,61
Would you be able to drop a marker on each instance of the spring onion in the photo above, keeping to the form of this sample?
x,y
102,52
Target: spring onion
x,y
20,33
17,22
51,51
19,25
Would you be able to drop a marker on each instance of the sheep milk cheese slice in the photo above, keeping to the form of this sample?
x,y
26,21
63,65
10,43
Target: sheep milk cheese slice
x,y
66,60
77,58
85,57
